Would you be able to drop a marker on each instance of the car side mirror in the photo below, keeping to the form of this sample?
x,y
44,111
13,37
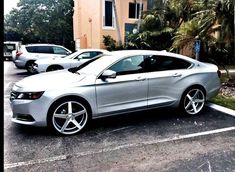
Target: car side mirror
x,y
108,74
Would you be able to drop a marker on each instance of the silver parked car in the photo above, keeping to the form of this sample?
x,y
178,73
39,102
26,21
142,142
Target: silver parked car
x,y
27,54
120,82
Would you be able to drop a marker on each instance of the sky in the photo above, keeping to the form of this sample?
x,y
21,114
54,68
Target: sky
x,y
9,4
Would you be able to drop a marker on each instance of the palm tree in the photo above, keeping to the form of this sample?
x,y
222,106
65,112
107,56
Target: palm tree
x,y
117,23
219,15
139,17
211,17
188,31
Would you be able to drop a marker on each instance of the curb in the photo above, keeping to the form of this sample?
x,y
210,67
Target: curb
x,y
222,109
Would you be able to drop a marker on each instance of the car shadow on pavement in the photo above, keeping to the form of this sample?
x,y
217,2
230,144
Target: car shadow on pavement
x,y
31,130
22,73
138,120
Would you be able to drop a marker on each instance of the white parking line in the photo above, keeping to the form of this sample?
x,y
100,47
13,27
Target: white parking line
x,y
131,145
222,109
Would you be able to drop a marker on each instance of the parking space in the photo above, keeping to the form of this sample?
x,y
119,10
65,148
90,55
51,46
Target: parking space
x,y
154,140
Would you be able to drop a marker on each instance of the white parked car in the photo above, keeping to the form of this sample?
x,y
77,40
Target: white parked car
x,y
24,57
72,60
9,47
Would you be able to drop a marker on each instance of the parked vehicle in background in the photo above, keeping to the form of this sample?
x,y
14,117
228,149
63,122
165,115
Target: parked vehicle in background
x,y
72,60
10,46
28,54
120,82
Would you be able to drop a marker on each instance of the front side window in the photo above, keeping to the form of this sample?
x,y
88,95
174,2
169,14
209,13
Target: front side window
x,y
108,14
162,63
131,65
59,50
134,10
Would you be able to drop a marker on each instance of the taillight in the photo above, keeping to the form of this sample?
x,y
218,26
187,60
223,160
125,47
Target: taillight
x,y
18,53
219,73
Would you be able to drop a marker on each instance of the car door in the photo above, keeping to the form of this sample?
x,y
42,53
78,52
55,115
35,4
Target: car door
x,y
164,79
128,91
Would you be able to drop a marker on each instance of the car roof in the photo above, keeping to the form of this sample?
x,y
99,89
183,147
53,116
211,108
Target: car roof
x,y
42,44
92,49
12,42
125,53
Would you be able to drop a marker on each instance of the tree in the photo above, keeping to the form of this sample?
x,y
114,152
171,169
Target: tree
x,y
48,21
155,31
210,17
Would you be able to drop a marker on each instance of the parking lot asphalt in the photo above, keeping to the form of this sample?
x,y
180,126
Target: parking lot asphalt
x,y
154,140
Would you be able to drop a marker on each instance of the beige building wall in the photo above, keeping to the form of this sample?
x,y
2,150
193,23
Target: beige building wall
x,y
88,22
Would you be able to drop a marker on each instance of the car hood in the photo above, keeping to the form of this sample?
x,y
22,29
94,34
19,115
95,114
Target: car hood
x,y
47,81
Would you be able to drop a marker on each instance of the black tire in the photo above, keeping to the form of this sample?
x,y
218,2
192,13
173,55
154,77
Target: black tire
x,y
68,116
29,67
54,67
193,101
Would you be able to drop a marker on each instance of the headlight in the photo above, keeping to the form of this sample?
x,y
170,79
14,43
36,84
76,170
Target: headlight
x,y
29,95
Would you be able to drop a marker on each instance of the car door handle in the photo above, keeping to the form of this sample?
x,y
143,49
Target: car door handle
x,y
140,78
177,75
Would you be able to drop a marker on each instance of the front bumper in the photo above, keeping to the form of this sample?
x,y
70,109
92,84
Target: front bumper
x,y
37,69
30,112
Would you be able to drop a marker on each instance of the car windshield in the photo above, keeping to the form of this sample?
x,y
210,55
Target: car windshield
x,y
75,69
71,56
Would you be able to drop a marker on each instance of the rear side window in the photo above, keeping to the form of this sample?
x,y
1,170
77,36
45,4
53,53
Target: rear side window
x,y
45,49
162,63
59,50
40,49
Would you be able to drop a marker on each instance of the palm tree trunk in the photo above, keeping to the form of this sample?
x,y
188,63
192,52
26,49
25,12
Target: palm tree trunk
x,y
117,23
140,12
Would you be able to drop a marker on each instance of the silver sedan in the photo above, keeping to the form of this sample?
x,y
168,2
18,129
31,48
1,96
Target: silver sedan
x,y
120,82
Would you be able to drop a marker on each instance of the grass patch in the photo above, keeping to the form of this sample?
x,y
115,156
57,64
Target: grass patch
x,y
224,77
225,101
227,67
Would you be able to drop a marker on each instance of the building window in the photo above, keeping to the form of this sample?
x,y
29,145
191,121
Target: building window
x,y
108,15
134,10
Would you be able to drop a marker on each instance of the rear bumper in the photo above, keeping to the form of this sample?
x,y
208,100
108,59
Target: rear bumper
x,y
20,64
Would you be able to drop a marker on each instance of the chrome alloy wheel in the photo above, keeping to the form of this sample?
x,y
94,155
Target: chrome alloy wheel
x,y
194,101
69,117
